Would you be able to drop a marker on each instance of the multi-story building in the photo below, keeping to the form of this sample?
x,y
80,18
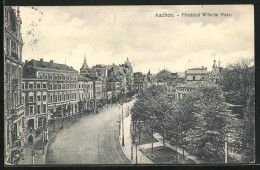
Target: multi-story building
x,y
129,75
100,71
36,101
114,87
62,84
85,93
140,81
14,114
197,74
184,89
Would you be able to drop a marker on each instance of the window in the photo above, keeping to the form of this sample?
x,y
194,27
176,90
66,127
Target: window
x,y
76,96
55,86
68,86
38,86
31,99
51,77
64,97
56,77
44,98
40,76
23,86
44,85
60,77
75,78
79,86
46,76
71,86
31,110
68,97
38,98
30,85
64,86
44,109
38,109
68,77
51,99
51,86
75,85
193,77
55,98
59,86
7,45
60,98
64,77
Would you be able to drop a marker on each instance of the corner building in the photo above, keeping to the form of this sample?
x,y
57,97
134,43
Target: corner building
x,y
62,85
14,115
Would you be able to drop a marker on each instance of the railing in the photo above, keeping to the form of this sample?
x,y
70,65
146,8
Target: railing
x,y
17,111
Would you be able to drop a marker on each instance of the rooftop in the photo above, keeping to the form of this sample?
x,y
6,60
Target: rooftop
x,y
50,65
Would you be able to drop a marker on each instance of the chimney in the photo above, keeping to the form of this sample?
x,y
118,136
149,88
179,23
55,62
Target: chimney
x,y
51,61
41,60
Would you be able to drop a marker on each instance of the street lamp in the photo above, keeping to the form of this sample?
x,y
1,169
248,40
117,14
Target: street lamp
x,y
123,136
136,150
153,118
61,117
69,110
54,120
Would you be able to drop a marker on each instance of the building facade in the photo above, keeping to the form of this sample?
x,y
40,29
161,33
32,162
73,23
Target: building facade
x,y
197,74
85,93
35,99
62,85
14,114
100,71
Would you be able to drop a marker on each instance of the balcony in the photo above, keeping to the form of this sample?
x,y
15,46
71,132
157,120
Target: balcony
x,y
16,112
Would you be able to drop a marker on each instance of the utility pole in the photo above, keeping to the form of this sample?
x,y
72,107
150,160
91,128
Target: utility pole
x,y
152,141
136,151
123,136
61,117
43,136
32,156
139,131
54,119
226,152
69,111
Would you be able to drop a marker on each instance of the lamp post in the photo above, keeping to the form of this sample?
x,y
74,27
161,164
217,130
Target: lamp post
x,y
69,110
54,120
153,118
123,136
61,117
136,150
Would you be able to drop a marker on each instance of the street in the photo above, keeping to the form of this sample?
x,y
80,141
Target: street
x,y
91,140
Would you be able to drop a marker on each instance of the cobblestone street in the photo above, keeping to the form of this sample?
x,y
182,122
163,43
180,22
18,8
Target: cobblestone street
x,y
90,140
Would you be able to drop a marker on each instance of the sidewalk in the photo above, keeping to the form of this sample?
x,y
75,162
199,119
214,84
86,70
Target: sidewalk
x,y
141,158
37,146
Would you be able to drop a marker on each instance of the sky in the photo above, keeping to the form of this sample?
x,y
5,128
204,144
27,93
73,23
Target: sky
x,y
110,34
